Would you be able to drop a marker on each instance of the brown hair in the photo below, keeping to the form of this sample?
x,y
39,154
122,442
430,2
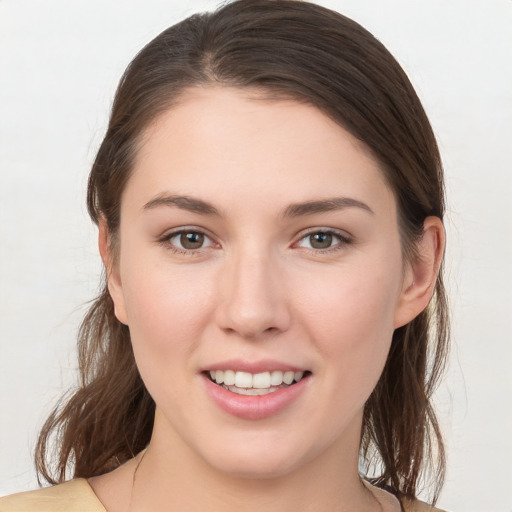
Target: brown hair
x,y
297,50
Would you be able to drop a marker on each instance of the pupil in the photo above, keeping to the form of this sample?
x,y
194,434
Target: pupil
x,y
192,240
321,240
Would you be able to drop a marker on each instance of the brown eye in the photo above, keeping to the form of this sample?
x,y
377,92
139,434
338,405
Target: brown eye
x,y
191,240
324,240
320,240
188,242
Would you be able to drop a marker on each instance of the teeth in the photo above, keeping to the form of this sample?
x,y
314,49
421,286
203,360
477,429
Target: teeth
x,y
250,391
276,378
261,380
229,377
242,380
258,381
288,377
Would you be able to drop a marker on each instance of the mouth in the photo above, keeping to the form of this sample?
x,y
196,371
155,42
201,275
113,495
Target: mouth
x,y
255,384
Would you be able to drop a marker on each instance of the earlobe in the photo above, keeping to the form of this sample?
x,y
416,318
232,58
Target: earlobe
x,y
112,271
421,274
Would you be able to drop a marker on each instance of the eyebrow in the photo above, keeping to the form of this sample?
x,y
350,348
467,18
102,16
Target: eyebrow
x,y
325,205
194,205
184,202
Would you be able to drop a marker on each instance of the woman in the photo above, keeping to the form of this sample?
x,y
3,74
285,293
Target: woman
x,y
269,199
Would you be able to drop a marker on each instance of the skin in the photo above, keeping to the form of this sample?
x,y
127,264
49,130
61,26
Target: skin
x,y
258,289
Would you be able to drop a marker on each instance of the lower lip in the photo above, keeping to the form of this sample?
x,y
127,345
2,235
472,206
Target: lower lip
x,y
255,407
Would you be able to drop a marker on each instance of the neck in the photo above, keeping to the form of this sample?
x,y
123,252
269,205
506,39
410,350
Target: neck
x,y
172,476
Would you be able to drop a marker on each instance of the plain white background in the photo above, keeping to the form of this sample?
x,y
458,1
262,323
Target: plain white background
x,y
59,65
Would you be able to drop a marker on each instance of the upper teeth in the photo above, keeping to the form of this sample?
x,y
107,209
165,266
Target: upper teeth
x,y
257,380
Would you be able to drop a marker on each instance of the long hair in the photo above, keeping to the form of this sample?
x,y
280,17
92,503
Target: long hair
x,y
291,49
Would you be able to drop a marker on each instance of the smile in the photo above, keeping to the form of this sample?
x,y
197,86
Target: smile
x,y
245,383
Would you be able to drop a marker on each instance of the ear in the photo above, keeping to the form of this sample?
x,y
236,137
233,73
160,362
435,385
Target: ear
x,y
112,270
421,274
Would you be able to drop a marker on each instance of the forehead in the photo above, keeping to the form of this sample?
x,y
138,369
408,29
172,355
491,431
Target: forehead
x,y
239,144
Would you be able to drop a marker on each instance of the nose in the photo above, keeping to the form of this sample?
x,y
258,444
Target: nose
x,y
253,301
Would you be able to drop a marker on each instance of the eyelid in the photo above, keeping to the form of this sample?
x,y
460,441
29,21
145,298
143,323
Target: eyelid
x,y
345,238
165,240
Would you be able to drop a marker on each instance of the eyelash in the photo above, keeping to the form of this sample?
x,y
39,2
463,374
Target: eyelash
x,y
166,241
343,238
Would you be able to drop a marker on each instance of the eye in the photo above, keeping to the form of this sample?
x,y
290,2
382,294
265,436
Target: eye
x,y
188,240
323,240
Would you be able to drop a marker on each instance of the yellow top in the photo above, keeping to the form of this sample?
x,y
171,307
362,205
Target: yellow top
x,y
78,496
73,496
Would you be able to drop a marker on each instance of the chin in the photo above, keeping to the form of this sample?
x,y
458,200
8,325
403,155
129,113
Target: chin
x,y
255,468
256,460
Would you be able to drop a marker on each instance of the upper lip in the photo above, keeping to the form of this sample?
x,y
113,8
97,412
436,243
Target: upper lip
x,y
262,365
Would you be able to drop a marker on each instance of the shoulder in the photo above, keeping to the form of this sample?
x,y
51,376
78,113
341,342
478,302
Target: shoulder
x,y
416,506
73,496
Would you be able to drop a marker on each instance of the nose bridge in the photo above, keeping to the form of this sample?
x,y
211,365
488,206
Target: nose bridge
x,y
253,302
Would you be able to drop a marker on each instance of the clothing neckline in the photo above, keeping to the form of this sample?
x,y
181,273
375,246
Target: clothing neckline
x,y
384,497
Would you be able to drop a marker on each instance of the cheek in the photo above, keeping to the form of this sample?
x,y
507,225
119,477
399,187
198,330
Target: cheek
x,y
351,319
166,308
356,299
166,313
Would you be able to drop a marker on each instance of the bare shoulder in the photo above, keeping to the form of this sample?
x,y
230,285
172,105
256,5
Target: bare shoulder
x,y
73,496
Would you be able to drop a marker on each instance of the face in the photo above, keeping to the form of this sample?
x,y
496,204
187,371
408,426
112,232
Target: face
x,y
258,242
